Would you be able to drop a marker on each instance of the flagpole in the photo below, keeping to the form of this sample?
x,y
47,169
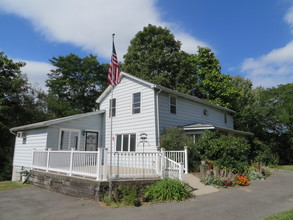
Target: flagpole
x,y
111,137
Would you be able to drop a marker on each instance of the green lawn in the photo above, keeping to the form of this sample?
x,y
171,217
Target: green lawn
x,y
10,185
285,167
287,215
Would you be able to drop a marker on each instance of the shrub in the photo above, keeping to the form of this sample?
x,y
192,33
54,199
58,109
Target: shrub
x,y
173,139
167,190
220,178
262,153
225,151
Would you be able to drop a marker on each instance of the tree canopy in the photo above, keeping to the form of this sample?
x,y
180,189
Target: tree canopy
x,y
155,55
74,84
19,105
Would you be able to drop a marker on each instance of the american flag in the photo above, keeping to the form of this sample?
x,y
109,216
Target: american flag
x,y
114,72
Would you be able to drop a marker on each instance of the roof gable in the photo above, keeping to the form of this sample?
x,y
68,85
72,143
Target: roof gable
x,y
159,87
123,75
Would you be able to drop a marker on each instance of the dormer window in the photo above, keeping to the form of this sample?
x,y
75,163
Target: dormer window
x,y
136,100
112,108
173,105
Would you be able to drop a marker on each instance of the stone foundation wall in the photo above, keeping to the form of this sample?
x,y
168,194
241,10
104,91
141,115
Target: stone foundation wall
x,y
77,186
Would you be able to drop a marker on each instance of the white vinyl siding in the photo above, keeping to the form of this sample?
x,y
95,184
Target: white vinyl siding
x,y
35,139
91,123
190,112
127,122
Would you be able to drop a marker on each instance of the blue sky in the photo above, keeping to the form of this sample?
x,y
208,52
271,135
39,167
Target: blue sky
x,y
251,38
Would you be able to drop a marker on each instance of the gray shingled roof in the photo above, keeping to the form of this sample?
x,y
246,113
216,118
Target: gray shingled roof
x,y
55,121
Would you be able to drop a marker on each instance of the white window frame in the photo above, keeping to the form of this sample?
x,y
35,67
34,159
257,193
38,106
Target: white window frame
x,y
129,138
70,130
110,109
171,96
84,141
139,103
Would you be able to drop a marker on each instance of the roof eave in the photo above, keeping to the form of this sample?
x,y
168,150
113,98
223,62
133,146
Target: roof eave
x,y
193,98
54,121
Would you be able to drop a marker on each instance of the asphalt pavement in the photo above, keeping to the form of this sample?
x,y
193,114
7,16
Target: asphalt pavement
x,y
260,199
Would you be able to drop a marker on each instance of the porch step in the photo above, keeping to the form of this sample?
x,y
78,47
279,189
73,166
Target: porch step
x,y
198,188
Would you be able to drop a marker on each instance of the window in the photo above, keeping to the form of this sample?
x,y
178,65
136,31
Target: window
x,y
172,104
91,141
225,118
136,102
125,142
112,109
69,139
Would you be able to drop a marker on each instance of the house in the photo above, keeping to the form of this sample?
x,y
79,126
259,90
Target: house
x,y
138,107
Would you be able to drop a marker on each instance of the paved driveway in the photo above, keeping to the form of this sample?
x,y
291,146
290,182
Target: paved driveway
x,y
253,202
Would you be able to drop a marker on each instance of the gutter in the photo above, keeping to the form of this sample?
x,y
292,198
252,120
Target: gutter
x,y
12,132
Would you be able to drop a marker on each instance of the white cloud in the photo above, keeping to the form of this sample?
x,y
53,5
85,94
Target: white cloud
x,y
275,67
89,24
37,72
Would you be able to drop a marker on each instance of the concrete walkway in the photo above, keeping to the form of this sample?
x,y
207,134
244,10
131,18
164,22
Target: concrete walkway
x,y
198,188
260,199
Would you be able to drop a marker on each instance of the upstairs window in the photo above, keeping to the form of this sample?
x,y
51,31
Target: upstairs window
x,y
112,108
125,142
225,118
136,100
172,105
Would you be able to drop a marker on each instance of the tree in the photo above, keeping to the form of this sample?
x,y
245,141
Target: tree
x,y
19,104
155,55
210,84
75,84
278,123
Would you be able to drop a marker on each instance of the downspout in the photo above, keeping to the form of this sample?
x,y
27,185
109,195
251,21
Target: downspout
x,y
158,118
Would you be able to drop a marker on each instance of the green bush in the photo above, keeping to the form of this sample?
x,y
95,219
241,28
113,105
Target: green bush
x,y
167,190
173,139
218,181
226,152
262,153
127,194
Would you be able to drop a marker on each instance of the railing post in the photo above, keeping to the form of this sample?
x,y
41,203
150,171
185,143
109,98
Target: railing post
x,y
99,163
162,162
34,149
186,159
105,171
48,159
180,171
71,161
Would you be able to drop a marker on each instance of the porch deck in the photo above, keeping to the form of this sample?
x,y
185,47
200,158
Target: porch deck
x,y
102,165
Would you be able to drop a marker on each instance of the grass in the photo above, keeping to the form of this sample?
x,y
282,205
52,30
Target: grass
x,y
284,167
11,185
287,215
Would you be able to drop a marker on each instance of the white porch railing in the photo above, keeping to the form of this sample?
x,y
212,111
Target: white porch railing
x,y
135,164
96,164
179,157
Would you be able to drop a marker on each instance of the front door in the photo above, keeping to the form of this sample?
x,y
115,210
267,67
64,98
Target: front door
x,y
91,141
